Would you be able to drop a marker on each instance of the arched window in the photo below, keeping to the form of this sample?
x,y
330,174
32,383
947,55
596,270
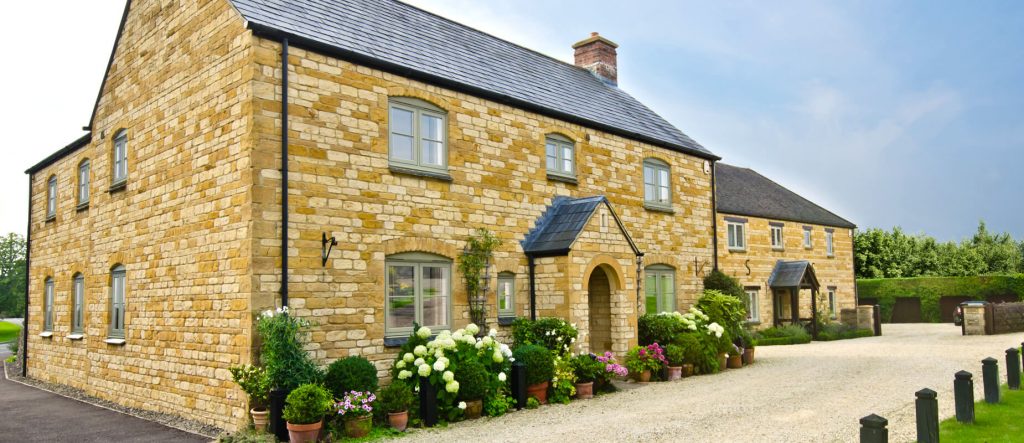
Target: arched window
x,y
657,184
117,302
561,156
51,197
119,173
418,136
660,289
83,183
48,306
78,304
418,289
506,295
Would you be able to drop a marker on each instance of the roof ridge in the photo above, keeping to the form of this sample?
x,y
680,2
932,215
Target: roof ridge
x,y
788,190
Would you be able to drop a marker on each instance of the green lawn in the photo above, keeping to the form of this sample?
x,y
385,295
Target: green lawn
x,y
8,331
1001,422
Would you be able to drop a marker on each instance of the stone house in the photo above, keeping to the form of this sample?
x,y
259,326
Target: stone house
x,y
791,255
156,237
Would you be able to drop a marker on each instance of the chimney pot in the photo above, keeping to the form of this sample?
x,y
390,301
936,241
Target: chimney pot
x,y
597,55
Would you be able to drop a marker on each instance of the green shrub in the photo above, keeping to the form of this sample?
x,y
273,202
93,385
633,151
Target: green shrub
x,y
783,335
307,404
778,341
587,368
726,310
13,346
839,331
675,355
396,397
287,363
661,329
532,403
353,373
540,365
472,378
726,284
555,334
255,381
931,289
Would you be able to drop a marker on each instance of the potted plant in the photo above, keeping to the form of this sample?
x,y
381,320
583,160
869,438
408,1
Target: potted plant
x,y
642,360
540,368
747,343
304,411
693,352
285,359
675,356
472,378
395,399
356,409
256,384
735,358
587,369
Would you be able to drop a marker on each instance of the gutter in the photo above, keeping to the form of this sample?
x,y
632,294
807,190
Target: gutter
x,y
28,266
714,218
284,172
271,33
533,287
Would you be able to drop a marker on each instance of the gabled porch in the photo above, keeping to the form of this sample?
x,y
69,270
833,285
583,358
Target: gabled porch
x,y
786,282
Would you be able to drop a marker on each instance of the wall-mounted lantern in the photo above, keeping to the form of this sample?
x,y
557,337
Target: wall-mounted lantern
x,y
326,245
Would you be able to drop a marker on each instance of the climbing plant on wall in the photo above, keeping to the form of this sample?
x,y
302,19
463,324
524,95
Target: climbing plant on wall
x,y
474,264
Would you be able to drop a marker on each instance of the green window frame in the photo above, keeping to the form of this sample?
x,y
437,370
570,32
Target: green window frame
x,y
737,235
418,289
778,242
659,289
753,305
119,165
808,239
83,182
560,156
78,304
506,293
51,197
48,305
118,281
657,183
417,135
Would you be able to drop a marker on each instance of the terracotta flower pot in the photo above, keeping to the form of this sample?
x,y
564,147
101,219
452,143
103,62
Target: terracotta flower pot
x,y
539,390
260,418
687,369
306,433
748,356
675,373
473,409
358,426
644,376
722,360
585,390
398,420
735,361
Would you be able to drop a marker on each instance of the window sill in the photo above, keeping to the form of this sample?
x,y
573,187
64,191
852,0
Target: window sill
x,y
118,186
753,322
563,179
775,249
46,334
82,206
114,341
50,218
506,321
76,337
420,173
737,250
831,256
394,342
659,208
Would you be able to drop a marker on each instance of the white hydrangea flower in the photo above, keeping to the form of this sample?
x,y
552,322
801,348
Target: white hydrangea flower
x,y
448,376
419,362
501,376
487,340
452,386
439,365
479,345
462,405
511,360
424,370
493,332
268,313
472,329
423,332
408,357
400,364
458,336
497,357
404,375
420,350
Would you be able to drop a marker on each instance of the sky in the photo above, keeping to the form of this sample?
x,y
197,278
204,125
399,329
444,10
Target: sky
x,y
887,113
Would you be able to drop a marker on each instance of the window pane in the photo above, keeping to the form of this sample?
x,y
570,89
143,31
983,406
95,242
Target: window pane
x,y
663,177
650,192
401,312
648,175
432,153
667,292
567,159
739,236
552,156
431,128
651,292
401,281
401,147
434,296
732,235
663,198
401,121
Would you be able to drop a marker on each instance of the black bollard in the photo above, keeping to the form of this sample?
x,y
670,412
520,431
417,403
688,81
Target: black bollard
x,y
519,384
963,396
927,416
1013,368
877,314
872,429
277,423
990,377
428,402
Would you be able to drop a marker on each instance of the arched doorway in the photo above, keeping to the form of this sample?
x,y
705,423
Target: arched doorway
x,y
599,301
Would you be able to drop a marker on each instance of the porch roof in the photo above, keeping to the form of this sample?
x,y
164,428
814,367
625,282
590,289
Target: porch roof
x,y
557,229
793,274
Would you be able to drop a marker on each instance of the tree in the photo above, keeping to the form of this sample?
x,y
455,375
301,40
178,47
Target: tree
x,y
12,275
720,281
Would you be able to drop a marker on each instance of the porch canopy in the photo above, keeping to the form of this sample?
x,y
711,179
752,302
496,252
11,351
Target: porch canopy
x,y
791,277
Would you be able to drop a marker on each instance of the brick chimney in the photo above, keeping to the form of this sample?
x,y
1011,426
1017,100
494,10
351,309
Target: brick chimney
x,y
597,55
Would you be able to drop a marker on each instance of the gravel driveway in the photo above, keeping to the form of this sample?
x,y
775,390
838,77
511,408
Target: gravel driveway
x,y
814,392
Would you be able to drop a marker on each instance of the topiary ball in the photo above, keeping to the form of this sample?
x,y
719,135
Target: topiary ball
x,y
540,364
353,373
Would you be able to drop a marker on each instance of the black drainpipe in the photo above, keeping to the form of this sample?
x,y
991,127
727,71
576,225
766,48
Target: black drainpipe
x,y
284,172
533,287
714,219
28,266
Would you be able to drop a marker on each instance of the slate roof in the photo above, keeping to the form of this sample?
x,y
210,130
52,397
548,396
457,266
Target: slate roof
x,y
408,41
788,274
559,226
742,191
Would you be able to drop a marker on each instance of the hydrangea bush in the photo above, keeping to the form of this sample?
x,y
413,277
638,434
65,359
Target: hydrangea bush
x,y
555,334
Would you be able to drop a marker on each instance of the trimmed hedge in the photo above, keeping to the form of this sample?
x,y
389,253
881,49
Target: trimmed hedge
x,y
931,289
777,341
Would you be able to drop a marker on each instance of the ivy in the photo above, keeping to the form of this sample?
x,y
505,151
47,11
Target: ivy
x,y
473,262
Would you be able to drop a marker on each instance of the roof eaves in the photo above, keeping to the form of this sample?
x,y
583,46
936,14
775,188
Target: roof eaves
x,y
75,145
787,219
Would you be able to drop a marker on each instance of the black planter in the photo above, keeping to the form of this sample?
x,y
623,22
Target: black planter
x,y
277,423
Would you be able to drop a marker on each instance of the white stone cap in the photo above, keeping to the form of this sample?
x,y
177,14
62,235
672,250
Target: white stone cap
x,y
75,337
46,334
114,341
